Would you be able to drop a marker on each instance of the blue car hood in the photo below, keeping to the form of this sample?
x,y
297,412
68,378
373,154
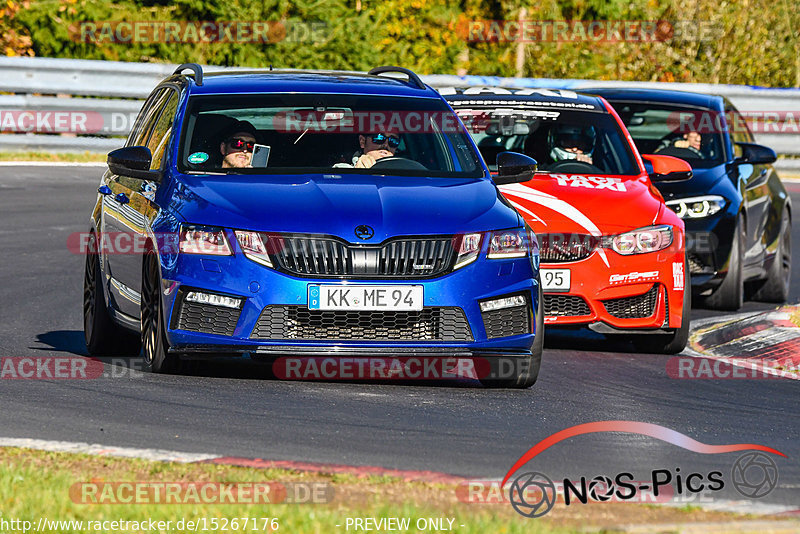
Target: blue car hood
x,y
322,204
703,182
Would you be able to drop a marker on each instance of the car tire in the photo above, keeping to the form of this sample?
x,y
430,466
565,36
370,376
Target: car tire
x,y
155,346
776,287
729,296
528,368
103,336
676,341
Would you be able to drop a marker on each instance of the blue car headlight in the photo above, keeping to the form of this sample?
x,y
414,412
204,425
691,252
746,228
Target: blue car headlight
x,y
253,247
208,240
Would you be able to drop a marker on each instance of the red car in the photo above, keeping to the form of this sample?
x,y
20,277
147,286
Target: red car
x,y
612,254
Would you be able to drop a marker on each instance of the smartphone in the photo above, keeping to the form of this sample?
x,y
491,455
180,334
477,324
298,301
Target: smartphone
x,y
260,156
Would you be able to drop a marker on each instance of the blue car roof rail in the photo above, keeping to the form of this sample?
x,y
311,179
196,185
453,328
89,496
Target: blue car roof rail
x,y
195,68
412,77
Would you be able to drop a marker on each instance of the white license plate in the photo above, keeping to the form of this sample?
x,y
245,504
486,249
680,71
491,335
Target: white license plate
x,y
555,279
340,297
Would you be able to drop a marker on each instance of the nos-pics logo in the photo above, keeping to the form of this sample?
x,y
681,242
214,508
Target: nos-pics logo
x,y
533,494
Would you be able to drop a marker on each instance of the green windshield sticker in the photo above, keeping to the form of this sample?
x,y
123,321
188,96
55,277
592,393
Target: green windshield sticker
x,y
198,157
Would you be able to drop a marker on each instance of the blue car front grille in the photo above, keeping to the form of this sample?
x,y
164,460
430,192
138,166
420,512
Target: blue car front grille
x,y
300,323
326,256
514,321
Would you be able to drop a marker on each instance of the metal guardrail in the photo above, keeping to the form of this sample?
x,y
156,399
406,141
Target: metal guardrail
x,y
111,94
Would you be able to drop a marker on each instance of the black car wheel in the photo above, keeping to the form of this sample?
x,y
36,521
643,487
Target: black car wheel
x,y
776,287
157,358
103,336
675,342
729,296
526,368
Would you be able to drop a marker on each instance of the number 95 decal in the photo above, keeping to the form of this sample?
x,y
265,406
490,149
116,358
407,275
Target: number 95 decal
x,y
555,279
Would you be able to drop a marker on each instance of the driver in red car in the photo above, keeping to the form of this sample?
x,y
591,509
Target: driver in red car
x,y
571,142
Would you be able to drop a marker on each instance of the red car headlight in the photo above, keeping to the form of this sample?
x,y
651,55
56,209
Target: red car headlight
x,y
640,241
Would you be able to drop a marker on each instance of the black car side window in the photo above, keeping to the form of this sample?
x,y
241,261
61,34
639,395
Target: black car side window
x,y
738,129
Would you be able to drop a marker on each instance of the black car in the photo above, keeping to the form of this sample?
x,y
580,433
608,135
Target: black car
x,y
736,210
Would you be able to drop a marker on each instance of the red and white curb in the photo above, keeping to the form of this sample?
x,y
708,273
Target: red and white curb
x,y
767,344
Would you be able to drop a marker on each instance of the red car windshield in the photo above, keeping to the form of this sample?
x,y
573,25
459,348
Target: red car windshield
x,y
561,141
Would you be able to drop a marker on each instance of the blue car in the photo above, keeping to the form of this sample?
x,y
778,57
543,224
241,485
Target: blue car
x,y
313,215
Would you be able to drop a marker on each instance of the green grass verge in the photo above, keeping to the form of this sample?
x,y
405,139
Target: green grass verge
x,y
36,484
71,157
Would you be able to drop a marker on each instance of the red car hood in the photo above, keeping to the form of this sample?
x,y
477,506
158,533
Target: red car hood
x,y
596,205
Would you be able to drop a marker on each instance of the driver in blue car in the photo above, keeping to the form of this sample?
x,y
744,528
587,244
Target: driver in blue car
x,y
571,142
373,148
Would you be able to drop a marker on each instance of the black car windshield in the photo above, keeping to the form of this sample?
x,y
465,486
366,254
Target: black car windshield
x,y
691,134
561,141
325,133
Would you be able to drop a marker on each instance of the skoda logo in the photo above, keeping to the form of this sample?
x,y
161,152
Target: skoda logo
x,y
364,232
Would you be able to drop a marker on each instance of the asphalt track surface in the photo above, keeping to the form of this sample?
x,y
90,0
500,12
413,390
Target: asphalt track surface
x,y
235,409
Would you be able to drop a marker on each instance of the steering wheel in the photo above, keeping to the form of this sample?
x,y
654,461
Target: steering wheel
x,y
682,153
397,162
572,165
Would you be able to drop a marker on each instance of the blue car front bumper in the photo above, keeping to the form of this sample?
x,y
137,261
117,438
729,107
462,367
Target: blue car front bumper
x,y
218,330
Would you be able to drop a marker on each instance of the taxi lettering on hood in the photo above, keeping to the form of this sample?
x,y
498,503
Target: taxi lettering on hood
x,y
590,182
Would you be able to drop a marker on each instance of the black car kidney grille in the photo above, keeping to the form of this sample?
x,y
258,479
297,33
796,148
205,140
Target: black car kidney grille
x,y
565,306
507,322
637,307
324,256
558,248
298,322
196,317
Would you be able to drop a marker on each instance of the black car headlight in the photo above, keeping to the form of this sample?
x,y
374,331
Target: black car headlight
x,y
697,207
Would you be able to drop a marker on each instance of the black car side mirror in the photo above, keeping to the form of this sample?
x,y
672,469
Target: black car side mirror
x,y
133,161
514,168
755,154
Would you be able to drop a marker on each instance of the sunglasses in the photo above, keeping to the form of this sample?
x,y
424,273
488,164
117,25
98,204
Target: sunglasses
x,y
380,138
240,144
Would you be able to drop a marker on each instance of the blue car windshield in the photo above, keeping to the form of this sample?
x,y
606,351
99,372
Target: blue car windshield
x,y
325,133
